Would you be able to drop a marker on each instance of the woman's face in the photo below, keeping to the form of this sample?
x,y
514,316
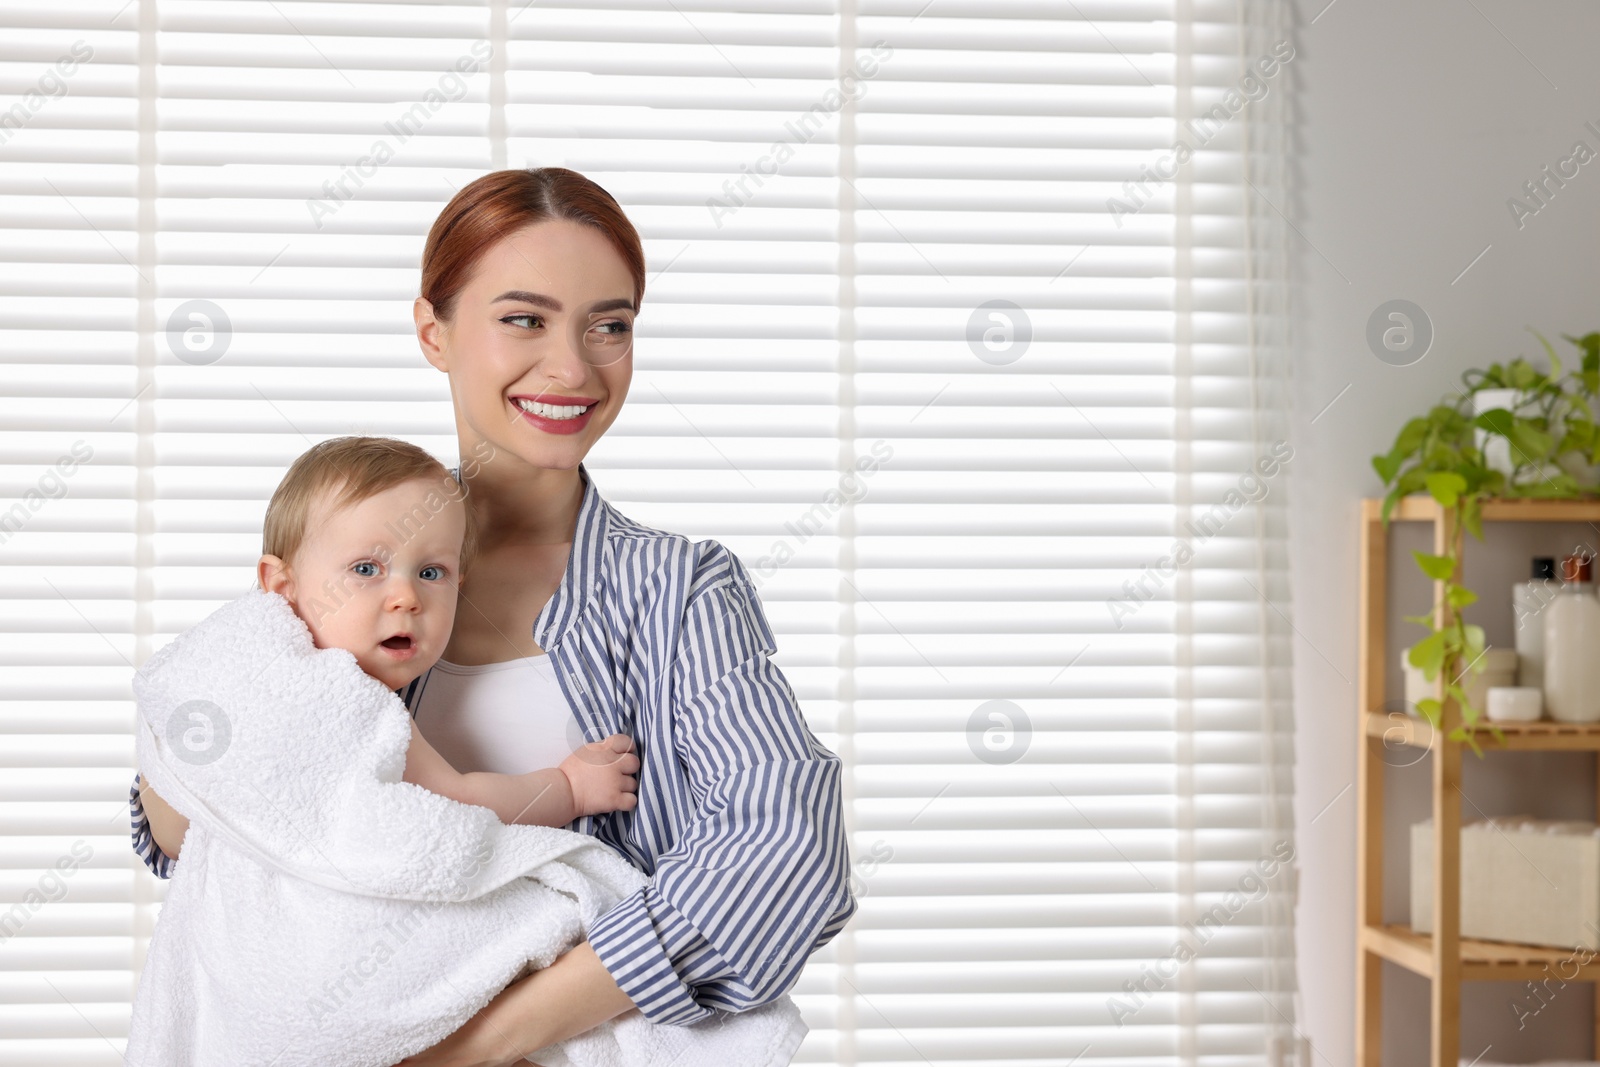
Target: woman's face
x,y
539,348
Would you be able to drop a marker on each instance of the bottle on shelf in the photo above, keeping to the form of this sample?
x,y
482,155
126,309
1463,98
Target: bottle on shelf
x,y
1528,601
1572,644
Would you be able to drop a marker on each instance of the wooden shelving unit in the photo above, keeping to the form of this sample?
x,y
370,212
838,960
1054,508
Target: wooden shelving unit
x,y
1445,958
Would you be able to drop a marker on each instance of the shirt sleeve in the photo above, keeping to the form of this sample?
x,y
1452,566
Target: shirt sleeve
x,y
144,844
760,878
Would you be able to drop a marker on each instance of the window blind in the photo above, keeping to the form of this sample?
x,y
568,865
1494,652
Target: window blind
x,y
980,381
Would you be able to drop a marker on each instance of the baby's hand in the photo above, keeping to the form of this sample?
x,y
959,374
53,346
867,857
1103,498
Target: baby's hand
x,y
600,774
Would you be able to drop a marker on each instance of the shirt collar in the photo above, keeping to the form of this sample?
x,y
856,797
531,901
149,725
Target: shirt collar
x,y
580,585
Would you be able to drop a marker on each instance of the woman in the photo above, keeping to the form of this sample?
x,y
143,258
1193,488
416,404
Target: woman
x,y
531,280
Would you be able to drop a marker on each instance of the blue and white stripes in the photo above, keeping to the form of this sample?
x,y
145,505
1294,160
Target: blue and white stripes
x,y
740,817
159,862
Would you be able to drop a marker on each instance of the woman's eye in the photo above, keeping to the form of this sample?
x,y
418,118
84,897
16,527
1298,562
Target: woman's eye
x,y
365,563
615,327
436,569
519,318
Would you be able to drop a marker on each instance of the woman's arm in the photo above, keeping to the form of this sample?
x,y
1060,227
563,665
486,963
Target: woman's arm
x,y
759,877
167,827
755,883
573,994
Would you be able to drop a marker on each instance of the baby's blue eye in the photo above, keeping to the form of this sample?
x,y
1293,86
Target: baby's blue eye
x,y
364,563
433,567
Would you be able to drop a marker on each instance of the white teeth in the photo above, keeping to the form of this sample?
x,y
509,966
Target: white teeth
x,y
551,411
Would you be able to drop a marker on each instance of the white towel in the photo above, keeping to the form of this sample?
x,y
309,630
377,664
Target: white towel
x,y
326,912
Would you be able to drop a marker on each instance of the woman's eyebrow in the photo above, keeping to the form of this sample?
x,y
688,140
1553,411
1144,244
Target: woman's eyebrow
x,y
540,300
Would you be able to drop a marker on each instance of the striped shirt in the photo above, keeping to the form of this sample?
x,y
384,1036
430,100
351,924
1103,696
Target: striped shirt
x,y
739,822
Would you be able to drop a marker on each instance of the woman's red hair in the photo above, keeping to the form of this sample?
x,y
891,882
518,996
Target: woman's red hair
x,y
502,202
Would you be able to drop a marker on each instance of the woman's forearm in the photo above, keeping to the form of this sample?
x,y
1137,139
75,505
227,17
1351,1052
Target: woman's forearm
x,y
166,825
574,994
538,798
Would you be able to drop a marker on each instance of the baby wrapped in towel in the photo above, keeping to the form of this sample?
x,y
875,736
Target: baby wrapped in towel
x,y
345,896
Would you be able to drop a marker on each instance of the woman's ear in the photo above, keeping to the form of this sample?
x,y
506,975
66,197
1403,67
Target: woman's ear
x,y
428,330
272,575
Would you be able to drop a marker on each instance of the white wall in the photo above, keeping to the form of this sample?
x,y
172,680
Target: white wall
x,y
1416,120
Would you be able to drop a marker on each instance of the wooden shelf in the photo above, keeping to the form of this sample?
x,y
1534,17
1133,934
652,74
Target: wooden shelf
x,y
1446,959
1483,961
1420,507
1541,736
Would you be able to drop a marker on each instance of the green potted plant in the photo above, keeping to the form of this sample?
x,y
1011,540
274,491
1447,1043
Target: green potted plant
x,y
1550,448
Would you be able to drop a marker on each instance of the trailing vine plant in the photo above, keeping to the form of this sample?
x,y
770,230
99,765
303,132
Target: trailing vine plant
x,y
1553,446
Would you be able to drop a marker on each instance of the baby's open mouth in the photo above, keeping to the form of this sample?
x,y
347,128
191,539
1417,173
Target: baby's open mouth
x,y
397,641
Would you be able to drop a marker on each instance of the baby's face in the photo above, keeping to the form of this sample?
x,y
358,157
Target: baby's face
x,y
379,578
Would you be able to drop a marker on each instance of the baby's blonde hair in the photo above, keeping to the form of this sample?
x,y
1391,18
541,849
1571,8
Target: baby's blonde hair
x,y
360,468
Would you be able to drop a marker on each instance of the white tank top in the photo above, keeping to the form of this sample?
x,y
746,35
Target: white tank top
x,y
509,717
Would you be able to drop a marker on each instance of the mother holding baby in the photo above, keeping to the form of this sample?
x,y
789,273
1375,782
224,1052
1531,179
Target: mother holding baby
x,y
531,281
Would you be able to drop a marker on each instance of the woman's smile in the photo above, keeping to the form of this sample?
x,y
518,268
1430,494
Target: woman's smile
x,y
564,418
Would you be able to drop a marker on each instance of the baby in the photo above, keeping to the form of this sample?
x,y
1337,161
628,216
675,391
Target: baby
x,y
335,904
332,905
368,539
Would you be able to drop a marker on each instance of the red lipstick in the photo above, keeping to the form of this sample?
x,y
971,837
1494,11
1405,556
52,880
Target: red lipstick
x,y
556,426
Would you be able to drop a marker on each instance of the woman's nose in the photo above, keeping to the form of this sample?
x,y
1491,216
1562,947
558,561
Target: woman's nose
x,y
567,362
